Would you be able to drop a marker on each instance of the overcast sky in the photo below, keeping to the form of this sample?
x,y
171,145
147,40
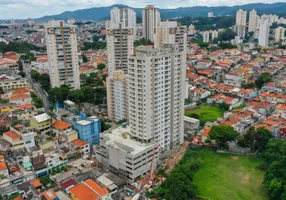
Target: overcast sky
x,y
37,8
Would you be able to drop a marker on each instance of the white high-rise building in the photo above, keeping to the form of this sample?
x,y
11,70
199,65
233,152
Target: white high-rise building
x,y
210,14
192,29
241,22
117,96
206,36
263,38
214,34
279,34
156,95
252,25
124,15
170,32
62,52
119,46
150,19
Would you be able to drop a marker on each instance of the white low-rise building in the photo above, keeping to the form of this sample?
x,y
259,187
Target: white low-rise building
x,y
124,155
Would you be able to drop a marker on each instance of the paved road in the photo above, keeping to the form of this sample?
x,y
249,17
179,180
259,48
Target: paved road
x,y
36,87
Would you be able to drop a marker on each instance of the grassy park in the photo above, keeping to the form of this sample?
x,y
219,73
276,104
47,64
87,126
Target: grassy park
x,y
206,113
225,176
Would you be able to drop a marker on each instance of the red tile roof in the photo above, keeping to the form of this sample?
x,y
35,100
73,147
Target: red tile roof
x,y
12,135
61,125
3,166
20,96
79,142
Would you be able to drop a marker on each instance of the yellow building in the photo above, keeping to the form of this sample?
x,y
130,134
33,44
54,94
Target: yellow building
x,y
14,139
41,123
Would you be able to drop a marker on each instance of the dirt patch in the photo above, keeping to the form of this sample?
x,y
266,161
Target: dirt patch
x,y
245,178
234,157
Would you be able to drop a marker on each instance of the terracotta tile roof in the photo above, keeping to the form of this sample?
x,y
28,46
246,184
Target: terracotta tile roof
x,y
68,183
20,91
20,96
2,156
79,142
49,195
61,125
18,198
271,84
3,166
42,59
102,191
7,61
206,132
12,135
82,192
29,105
36,183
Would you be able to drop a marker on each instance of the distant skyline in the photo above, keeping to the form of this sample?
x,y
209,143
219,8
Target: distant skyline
x,y
23,9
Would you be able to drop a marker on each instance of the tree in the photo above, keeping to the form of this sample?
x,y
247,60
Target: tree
x,y
226,35
223,106
257,139
84,58
77,95
223,134
104,126
1,90
195,115
35,75
142,42
38,103
226,45
101,66
264,78
203,45
249,85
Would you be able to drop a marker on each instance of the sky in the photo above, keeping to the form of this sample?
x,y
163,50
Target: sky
x,y
23,9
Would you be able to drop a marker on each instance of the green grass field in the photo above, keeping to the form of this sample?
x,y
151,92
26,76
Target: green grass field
x,y
206,113
229,177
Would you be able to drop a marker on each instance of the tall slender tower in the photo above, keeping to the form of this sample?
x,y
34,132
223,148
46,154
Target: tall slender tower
x,y
241,22
156,95
119,46
150,19
252,21
62,54
263,39
124,15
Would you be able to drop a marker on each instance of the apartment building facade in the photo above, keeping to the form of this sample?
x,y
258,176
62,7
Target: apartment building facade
x,y
150,19
62,52
119,46
156,95
117,96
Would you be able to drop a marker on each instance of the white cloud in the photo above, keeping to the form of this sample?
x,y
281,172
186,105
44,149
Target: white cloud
x,y
38,8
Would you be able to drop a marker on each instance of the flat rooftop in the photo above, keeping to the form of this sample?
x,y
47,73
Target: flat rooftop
x,y
84,122
120,138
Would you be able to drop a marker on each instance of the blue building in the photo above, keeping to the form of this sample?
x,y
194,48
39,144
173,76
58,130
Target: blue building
x,y
88,128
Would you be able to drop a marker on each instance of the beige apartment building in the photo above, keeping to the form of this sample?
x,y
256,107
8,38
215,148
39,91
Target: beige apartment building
x,y
62,52
117,96
13,82
119,46
156,95
150,19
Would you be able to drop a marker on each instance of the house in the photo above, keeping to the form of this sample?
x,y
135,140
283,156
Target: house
x,y
198,93
8,66
20,99
233,79
89,189
60,128
13,82
191,125
49,195
261,107
4,173
14,139
41,123
271,86
219,98
28,191
247,93
83,146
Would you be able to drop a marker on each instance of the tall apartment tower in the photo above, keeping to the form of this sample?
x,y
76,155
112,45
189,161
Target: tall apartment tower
x,y
156,95
150,19
124,15
170,32
117,96
62,52
279,34
241,22
119,46
252,25
263,38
